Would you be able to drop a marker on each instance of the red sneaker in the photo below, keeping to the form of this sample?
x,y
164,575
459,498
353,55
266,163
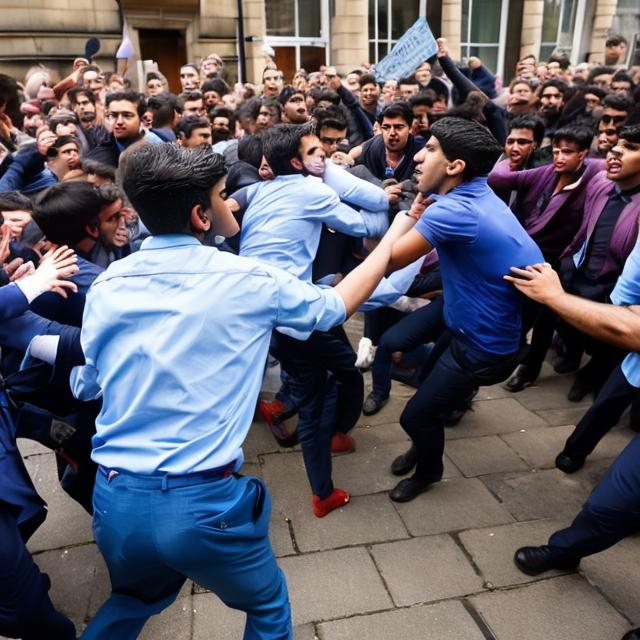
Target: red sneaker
x,y
342,443
337,499
276,414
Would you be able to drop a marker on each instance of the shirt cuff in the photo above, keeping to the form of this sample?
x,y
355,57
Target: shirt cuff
x,y
44,348
31,287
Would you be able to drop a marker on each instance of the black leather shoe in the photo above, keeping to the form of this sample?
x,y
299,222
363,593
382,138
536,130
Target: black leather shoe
x,y
404,463
633,634
372,404
535,560
578,391
569,464
409,488
566,365
522,376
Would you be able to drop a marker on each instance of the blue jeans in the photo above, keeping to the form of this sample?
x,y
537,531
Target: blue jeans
x,y
154,533
422,326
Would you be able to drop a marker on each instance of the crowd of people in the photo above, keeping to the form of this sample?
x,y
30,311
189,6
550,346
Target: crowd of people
x,y
160,251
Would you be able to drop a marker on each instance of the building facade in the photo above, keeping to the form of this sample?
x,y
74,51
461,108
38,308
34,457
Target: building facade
x,y
303,33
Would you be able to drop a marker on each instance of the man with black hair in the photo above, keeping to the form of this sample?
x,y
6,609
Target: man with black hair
x,y
167,112
331,128
549,204
553,97
615,49
223,127
524,137
478,238
272,82
282,226
189,77
369,94
294,106
193,131
408,87
192,104
622,84
179,392
421,105
68,151
124,111
213,91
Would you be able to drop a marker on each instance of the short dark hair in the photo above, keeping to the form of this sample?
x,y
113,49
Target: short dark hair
x,y
192,65
580,136
189,124
216,84
562,60
528,121
619,103
329,96
367,78
630,132
250,150
189,96
130,96
469,141
164,182
424,98
561,86
220,111
106,171
62,140
330,117
408,80
282,143
599,71
163,106
64,210
615,39
271,103
14,201
621,75
287,93
78,91
595,90
398,109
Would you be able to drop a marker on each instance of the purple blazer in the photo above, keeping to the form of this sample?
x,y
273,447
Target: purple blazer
x,y
624,233
555,226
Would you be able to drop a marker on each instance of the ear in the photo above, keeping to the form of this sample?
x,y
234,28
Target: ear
x,y
456,168
296,163
199,219
92,231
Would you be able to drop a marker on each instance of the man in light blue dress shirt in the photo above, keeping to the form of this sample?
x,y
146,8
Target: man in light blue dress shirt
x,y
175,338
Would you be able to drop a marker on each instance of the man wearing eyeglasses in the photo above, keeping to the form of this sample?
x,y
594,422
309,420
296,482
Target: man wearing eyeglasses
x,y
123,113
615,113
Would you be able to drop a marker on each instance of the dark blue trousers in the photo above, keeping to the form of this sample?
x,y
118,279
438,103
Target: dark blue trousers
x,y
155,531
25,608
308,362
419,327
457,369
614,397
611,512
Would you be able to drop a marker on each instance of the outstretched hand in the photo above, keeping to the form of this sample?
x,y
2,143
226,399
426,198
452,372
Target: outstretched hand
x,y
538,282
57,265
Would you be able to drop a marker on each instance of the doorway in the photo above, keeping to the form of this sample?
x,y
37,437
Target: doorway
x,y
168,48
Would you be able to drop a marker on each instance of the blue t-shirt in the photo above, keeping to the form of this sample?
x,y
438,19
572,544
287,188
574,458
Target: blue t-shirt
x,y
478,239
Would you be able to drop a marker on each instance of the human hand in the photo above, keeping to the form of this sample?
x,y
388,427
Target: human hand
x,y
474,63
443,47
55,266
393,192
121,237
45,140
16,221
21,270
538,282
342,159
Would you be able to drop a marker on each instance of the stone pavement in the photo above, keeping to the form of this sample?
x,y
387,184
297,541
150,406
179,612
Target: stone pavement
x,y
438,568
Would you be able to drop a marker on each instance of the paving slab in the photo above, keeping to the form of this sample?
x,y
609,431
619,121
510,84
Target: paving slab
x,y
493,392
366,519
391,411
615,572
441,621
333,584
212,619
174,623
569,414
539,447
487,454
565,608
539,494
490,417
549,392
425,569
259,441
67,522
452,505
280,536
492,549
286,479
29,447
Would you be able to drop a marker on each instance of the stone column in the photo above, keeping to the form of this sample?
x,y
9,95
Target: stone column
x,y
602,19
350,34
531,37
452,25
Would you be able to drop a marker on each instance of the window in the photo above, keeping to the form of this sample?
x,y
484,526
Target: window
x,y
299,18
388,20
558,25
482,31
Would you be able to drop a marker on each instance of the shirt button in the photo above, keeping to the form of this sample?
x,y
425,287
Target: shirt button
x,y
222,525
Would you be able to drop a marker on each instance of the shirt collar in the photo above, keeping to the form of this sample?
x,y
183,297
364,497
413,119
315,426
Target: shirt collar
x,y
469,187
169,241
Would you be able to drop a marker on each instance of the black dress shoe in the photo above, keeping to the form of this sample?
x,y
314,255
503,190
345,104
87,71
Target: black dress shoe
x,y
569,464
535,560
566,365
404,463
578,391
633,634
521,377
409,488
373,404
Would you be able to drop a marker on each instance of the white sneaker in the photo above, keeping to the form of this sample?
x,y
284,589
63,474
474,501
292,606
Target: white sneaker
x,y
366,353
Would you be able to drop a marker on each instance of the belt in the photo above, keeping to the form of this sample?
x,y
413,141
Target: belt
x,y
166,481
